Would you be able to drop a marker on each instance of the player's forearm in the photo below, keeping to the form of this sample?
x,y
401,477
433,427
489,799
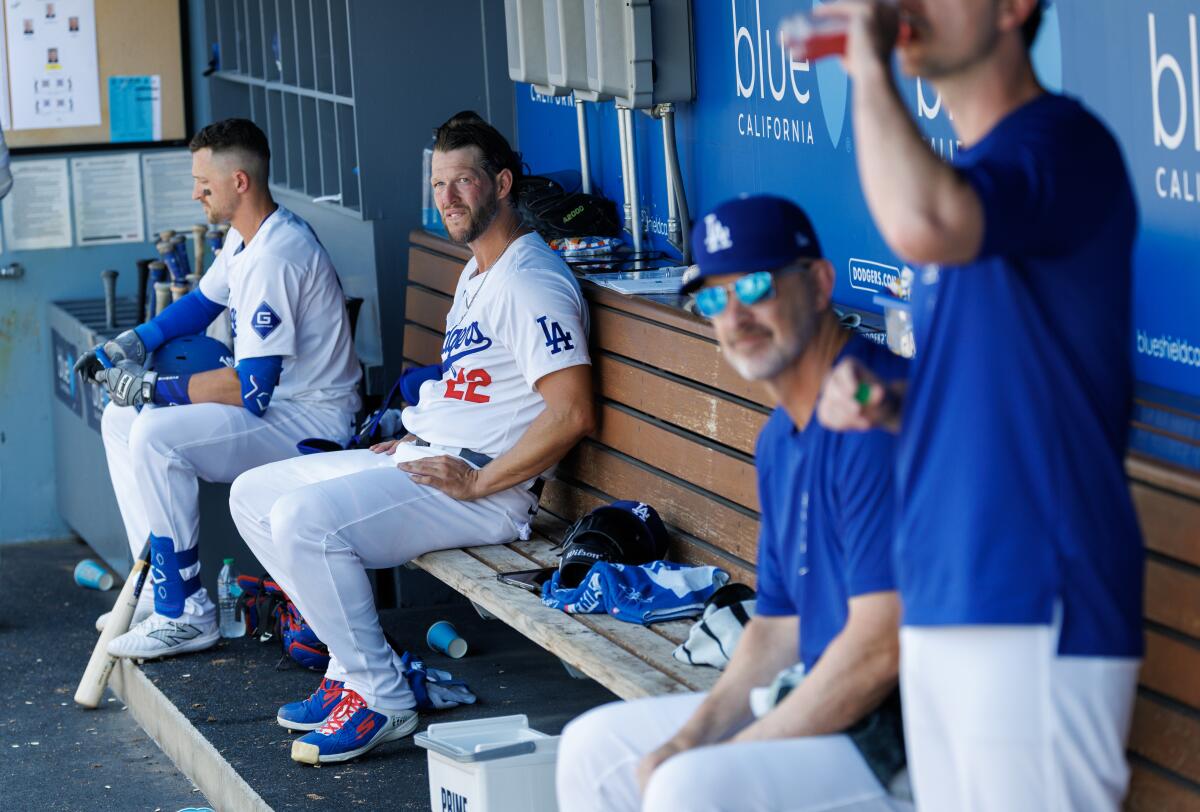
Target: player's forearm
x,y
856,672
216,386
549,437
767,646
919,203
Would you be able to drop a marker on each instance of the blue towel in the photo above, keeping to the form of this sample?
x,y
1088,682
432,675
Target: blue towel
x,y
433,688
660,590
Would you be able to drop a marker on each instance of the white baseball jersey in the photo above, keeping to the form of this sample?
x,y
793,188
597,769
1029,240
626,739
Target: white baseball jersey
x,y
507,328
284,299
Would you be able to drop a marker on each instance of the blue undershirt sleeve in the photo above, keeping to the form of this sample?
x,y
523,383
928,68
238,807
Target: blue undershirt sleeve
x,y
186,317
259,376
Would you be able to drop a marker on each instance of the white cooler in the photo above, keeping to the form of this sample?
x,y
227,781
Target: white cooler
x,y
490,765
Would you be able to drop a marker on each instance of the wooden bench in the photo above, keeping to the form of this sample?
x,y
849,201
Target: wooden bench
x,y
677,431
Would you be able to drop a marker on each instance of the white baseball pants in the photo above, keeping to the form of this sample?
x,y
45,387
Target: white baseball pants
x,y
156,457
600,751
318,523
995,720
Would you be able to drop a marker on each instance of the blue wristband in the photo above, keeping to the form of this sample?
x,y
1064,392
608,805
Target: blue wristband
x,y
172,390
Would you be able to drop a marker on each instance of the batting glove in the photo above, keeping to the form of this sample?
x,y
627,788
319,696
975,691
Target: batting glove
x,y
127,346
128,384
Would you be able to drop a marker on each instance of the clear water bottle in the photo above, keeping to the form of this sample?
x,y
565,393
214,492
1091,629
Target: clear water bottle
x,y
227,595
431,220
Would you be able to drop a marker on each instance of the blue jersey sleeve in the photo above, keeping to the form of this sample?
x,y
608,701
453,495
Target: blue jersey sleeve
x,y
867,502
773,598
259,376
186,317
1039,182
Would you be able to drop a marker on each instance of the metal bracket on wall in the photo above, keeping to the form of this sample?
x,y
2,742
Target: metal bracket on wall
x,y
13,270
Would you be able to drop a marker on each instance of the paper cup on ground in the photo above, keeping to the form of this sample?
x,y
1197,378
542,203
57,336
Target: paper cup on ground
x,y
443,637
92,575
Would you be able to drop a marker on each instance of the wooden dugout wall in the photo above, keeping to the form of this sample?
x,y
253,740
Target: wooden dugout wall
x,y
677,431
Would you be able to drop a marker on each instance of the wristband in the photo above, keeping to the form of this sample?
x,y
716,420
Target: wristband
x,y
172,390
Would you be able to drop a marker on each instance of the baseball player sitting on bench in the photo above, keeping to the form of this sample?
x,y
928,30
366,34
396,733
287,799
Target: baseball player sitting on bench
x,y
513,397
825,586
295,376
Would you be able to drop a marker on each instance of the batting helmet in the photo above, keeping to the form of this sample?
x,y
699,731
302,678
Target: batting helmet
x,y
189,355
624,532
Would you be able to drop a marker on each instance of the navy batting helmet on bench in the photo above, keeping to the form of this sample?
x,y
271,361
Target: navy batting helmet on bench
x,y
624,532
188,355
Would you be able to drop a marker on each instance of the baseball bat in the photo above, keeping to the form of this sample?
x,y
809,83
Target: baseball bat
x,y
109,278
166,253
198,232
143,266
162,296
166,235
100,666
214,239
181,253
158,273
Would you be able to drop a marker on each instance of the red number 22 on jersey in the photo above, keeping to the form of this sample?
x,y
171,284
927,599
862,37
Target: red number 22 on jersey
x,y
466,385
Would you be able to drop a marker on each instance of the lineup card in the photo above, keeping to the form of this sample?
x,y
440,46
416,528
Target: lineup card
x,y
54,70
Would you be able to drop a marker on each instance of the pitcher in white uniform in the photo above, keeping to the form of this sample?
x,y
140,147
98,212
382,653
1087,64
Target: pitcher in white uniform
x,y
295,376
514,395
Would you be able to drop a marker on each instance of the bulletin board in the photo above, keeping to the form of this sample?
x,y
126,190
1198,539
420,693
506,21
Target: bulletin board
x,y
140,53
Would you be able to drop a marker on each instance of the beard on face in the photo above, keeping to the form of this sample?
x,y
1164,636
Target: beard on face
x,y
767,362
479,221
778,351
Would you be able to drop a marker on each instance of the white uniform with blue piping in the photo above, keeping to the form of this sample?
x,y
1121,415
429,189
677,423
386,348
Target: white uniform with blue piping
x,y
285,300
319,522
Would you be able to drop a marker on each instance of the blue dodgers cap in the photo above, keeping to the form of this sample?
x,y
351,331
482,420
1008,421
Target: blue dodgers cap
x,y
748,234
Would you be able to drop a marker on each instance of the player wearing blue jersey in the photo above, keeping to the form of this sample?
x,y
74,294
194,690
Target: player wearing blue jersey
x,y
1019,559
827,612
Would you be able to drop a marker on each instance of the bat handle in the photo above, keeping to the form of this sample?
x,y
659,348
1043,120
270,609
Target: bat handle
x,y
143,266
162,296
109,277
198,232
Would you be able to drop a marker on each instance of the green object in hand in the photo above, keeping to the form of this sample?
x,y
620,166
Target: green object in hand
x,y
863,393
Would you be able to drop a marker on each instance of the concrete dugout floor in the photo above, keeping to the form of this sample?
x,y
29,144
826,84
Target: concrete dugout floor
x,y
53,754
230,695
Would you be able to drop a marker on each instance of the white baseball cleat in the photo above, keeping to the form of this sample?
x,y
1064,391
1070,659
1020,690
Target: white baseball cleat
x,y
143,610
159,636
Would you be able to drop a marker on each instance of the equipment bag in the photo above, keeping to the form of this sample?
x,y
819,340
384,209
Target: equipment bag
x,y
268,612
554,212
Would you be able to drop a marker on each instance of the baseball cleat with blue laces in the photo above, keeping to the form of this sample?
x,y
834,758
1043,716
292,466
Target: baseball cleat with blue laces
x,y
311,713
351,730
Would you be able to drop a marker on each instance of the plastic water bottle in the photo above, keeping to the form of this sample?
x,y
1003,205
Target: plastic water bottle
x,y
431,220
227,595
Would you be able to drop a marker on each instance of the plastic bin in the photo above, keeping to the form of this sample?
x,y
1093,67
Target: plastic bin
x,y
490,765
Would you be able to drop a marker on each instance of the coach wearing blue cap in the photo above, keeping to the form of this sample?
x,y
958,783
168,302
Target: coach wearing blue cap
x,y
827,614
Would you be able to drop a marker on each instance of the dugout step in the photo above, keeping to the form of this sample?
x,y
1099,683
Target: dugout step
x,y
214,713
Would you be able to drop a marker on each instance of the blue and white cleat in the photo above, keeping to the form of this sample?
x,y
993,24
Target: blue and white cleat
x,y
311,713
351,730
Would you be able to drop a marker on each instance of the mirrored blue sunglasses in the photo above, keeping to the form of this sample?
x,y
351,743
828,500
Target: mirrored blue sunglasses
x,y
750,289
